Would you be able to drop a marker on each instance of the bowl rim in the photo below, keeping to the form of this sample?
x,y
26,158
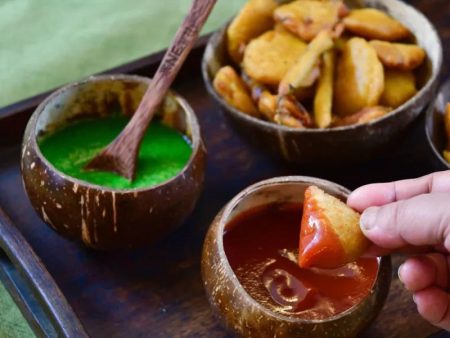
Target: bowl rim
x,y
191,121
429,119
222,221
435,72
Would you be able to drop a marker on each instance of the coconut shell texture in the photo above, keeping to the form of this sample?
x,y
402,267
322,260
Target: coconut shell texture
x,y
100,217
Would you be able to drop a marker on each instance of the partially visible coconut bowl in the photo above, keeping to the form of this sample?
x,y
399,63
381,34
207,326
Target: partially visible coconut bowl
x,y
435,126
242,314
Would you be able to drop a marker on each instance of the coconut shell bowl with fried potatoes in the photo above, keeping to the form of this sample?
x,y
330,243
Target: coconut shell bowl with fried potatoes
x,y
102,217
437,126
323,82
232,290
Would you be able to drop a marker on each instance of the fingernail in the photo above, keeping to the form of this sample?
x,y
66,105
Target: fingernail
x,y
399,273
414,298
368,218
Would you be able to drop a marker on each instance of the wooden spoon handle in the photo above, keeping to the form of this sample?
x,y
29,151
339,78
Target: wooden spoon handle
x,y
121,155
173,60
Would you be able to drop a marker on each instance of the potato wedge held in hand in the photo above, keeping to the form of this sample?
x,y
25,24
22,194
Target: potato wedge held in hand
x,y
371,23
301,73
330,235
324,93
268,57
306,18
360,78
233,90
399,87
399,55
253,19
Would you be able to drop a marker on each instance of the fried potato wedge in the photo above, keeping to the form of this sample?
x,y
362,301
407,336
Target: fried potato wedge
x,y
372,23
301,73
365,115
267,105
306,18
233,90
324,92
399,87
360,78
288,121
399,55
256,88
268,57
330,235
288,105
254,18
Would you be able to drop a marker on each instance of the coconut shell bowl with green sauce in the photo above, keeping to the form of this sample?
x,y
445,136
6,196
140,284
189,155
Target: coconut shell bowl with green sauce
x,y
104,210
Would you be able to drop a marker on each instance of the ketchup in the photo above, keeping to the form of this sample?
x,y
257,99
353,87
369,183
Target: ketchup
x,y
261,245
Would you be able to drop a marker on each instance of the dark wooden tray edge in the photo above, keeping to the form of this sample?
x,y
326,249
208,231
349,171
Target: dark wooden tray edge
x,y
28,282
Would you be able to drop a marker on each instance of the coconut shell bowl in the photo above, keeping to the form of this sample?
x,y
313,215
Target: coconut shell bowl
x,y
246,317
100,217
344,144
435,126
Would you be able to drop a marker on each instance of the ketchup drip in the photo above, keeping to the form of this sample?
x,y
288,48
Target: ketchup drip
x,y
262,248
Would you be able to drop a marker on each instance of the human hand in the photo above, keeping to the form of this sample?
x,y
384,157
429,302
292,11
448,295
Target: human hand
x,y
407,214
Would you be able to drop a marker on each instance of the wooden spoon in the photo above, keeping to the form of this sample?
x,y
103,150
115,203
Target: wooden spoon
x,y
120,156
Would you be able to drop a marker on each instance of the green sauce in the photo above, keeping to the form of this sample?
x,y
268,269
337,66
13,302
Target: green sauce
x,y
163,153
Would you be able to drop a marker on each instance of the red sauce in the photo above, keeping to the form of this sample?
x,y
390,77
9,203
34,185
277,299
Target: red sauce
x,y
262,247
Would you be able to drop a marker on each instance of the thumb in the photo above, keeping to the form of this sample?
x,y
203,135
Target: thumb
x,y
418,221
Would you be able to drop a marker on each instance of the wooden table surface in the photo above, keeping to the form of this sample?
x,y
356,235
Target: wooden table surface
x,y
157,292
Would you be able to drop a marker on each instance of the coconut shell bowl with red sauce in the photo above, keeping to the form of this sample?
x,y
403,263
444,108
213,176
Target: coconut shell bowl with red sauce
x,y
230,291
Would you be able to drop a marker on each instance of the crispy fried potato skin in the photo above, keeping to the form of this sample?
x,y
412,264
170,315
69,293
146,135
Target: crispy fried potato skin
x,y
268,57
307,18
253,19
233,90
323,100
399,55
360,78
371,23
399,87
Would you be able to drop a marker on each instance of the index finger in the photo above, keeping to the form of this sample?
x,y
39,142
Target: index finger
x,y
379,194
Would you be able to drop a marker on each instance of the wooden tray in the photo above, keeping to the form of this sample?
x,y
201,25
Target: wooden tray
x,y
157,292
